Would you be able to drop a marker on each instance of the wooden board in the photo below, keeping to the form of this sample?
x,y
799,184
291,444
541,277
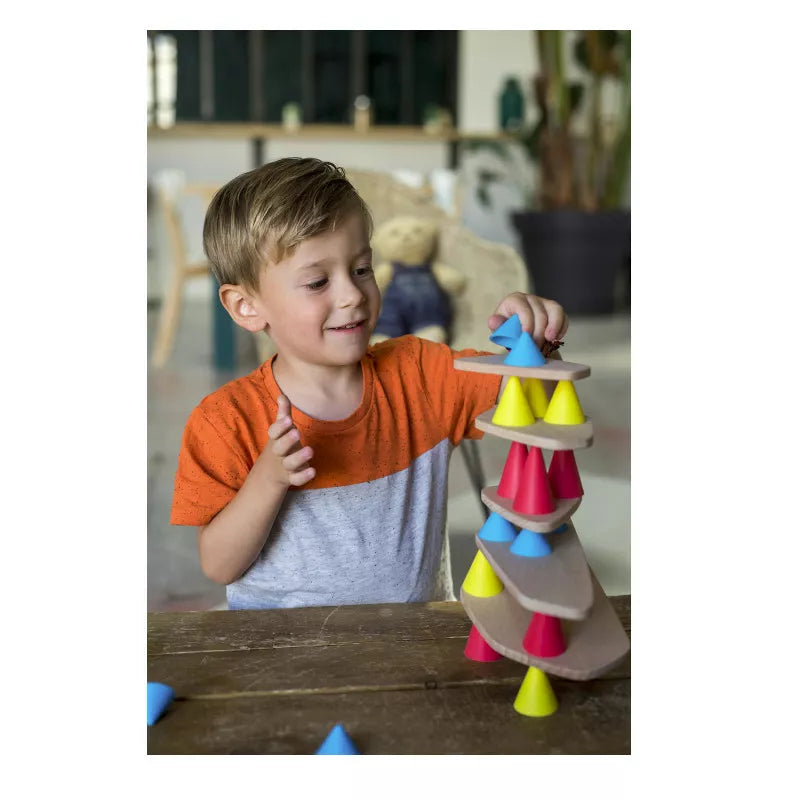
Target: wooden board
x,y
395,675
543,523
209,632
594,644
475,719
559,584
554,370
540,434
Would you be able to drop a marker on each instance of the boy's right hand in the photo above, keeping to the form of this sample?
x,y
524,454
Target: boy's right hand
x,y
289,459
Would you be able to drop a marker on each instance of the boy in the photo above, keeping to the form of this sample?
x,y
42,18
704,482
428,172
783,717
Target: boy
x,y
321,477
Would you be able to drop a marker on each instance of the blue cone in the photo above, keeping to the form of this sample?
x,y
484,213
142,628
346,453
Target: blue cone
x,y
508,333
497,529
159,696
525,353
530,545
338,743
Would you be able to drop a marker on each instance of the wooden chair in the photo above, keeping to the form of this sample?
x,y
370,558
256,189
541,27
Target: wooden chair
x,y
172,191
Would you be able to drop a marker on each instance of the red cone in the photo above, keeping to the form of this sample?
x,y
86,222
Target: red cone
x,y
563,475
512,472
544,637
478,648
533,495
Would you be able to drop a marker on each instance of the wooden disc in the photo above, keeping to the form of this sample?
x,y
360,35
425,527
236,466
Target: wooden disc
x,y
559,584
554,370
540,434
544,523
594,644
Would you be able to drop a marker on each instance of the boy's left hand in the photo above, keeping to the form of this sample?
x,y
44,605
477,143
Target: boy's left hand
x,y
543,318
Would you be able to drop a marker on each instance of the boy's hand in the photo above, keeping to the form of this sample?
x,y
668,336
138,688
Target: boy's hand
x,y
544,319
288,458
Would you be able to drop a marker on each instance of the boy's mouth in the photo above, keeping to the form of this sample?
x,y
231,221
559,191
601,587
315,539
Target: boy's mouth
x,y
351,326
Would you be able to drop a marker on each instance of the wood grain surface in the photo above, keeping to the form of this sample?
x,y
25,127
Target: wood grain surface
x,y
542,523
559,584
594,644
395,675
554,370
540,434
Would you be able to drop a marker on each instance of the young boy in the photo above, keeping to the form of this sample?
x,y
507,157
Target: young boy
x,y
321,477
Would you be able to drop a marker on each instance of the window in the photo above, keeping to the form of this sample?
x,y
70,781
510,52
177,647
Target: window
x,y
249,76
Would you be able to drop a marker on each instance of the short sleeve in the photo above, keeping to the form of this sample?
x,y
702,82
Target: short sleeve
x,y
457,396
211,470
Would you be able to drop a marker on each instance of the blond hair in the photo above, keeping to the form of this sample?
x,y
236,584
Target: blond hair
x,y
262,215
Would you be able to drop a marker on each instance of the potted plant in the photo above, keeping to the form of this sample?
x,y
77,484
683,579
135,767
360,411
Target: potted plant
x,y
576,235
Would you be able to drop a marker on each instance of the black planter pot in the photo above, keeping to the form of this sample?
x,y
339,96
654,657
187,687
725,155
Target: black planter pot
x,y
581,260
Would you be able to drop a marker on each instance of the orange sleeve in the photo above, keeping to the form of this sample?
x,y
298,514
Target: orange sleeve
x,y
211,470
457,396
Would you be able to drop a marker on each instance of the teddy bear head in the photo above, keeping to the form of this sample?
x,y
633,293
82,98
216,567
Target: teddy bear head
x,y
406,240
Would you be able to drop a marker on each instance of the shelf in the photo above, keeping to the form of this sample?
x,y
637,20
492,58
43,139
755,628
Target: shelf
x,y
594,644
558,584
540,434
553,370
541,524
376,133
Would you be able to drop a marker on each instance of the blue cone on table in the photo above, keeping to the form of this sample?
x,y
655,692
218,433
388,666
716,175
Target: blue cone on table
x,y
337,743
159,696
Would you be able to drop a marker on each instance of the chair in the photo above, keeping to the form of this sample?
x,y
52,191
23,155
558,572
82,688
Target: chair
x,y
173,194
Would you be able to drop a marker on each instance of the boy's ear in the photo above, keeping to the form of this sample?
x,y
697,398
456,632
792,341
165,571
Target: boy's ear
x,y
243,310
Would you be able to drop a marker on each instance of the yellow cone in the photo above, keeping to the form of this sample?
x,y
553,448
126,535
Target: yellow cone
x,y
534,391
481,580
564,407
513,409
535,697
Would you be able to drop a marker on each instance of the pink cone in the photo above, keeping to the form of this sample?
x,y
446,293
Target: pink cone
x,y
533,495
512,472
563,475
478,648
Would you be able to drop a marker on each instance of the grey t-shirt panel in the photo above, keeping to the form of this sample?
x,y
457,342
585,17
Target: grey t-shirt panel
x,y
374,542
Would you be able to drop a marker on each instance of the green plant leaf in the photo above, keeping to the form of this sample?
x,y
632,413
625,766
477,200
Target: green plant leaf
x,y
576,93
610,39
581,52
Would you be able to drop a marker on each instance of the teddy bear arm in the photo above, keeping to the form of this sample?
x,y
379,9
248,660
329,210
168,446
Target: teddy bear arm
x,y
451,280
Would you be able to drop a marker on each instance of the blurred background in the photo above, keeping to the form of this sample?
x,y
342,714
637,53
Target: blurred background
x,y
517,143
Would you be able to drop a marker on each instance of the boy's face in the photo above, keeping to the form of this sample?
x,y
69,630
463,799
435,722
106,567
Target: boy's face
x,y
309,297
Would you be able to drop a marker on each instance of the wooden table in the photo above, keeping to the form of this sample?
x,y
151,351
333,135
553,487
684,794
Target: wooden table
x,y
394,675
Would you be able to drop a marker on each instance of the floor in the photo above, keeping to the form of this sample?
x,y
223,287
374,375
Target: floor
x,y
175,581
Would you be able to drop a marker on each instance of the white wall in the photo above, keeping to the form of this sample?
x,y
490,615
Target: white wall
x,y
486,59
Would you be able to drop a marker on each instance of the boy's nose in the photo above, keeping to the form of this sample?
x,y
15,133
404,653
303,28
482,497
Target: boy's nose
x,y
349,294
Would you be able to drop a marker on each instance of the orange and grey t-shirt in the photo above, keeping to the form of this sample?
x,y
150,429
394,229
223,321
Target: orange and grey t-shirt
x,y
369,527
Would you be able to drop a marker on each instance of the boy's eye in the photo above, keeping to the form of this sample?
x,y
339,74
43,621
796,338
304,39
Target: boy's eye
x,y
363,271
317,284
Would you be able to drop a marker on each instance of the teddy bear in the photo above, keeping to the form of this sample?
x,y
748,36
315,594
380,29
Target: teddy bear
x,y
416,289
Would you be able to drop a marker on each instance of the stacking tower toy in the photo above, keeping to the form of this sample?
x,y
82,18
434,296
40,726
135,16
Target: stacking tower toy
x,y
530,593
